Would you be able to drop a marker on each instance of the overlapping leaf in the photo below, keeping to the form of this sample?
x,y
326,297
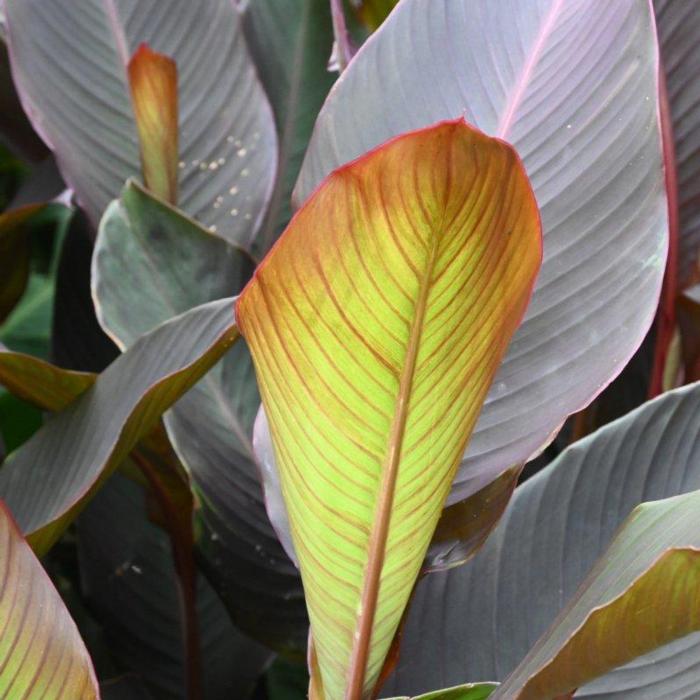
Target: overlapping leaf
x,y
41,652
49,477
129,580
573,85
69,60
480,621
475,691
290,41
150,263
679,29
376,325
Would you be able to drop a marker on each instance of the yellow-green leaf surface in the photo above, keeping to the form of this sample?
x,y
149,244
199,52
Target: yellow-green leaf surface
x,y
376,325
41,652
153,86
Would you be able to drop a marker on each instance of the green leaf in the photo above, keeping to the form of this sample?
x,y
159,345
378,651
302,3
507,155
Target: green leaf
x,y
401,265
479,621
41,652
290,41
150,263
69,61
49,478
470,691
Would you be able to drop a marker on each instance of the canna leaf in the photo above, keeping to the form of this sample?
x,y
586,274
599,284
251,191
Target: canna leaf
x,y
14,256
376,325
470,691
48,480
644,592
41,652
290,41
153,86
150,263
69,61
573,84
479,621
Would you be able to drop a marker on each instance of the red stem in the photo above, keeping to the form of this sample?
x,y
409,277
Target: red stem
x,y
666,314
340,31
182,543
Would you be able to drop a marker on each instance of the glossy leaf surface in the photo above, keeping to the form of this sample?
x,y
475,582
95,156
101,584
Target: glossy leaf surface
x,y
41,652
376,325
48,478
69,60
151,263
573,85
479,621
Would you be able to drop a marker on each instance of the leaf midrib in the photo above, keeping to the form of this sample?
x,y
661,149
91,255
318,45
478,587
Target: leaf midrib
x,y
380,530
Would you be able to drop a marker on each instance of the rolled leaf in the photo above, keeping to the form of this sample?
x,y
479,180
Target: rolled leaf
x,y
69,60
574,86
481,620
41,652
376,325
153,85
49,478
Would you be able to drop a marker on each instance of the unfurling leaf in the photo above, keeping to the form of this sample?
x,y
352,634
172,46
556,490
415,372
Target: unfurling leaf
x,y
153,85
376,325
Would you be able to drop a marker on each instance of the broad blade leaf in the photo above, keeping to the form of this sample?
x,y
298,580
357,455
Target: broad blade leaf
x,y
69,60
642,593
573,85
376,325
41,652
481,620
290,41
150,263
48,479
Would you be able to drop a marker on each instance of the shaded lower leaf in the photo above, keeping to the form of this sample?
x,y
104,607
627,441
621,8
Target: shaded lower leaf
x,y
644,592
14,256
128,577
50,476
479,621
41,652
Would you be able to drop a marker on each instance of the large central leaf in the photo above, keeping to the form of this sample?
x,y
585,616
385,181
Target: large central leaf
x,y
573,86
376,326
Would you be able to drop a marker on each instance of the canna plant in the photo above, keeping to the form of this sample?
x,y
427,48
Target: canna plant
x,y
288,370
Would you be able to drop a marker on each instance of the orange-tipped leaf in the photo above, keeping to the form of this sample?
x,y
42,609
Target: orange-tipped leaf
x,y
376,325
153,84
